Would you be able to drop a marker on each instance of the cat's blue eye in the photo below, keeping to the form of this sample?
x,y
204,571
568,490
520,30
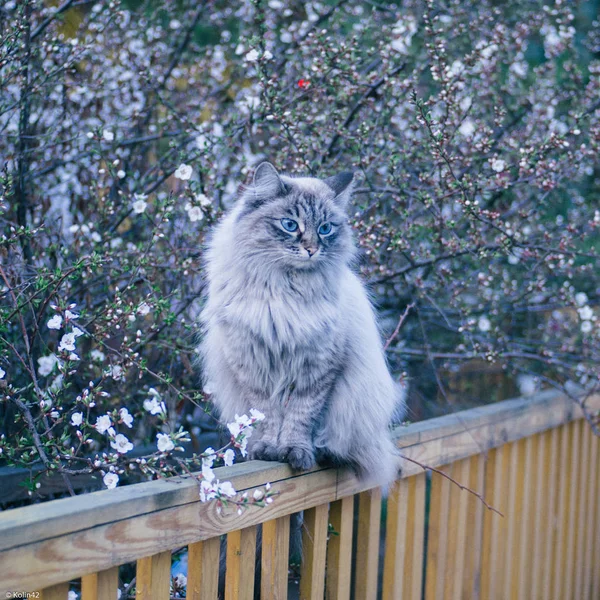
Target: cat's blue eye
x,y
325,229
289,225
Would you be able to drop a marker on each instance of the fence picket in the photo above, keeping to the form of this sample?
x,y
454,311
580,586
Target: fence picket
x,y
240,564
437,537
103,585
275,557
314,552
592,525
153,577
59,591
339,550
367,552
572,514
403,560
203,570
583,521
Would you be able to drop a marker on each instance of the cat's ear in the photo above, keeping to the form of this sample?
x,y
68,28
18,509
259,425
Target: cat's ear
x,y
266,183
342,184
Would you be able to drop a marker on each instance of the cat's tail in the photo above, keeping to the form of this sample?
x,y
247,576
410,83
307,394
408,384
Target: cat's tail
x,y
380,464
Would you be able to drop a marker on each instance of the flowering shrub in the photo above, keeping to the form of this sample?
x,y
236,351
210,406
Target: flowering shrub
x,y
127,126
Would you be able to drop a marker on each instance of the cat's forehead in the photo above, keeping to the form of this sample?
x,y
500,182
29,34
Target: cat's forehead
x,y
309,186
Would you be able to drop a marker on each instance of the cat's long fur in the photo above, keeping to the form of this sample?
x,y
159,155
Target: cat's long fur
x,y
295,335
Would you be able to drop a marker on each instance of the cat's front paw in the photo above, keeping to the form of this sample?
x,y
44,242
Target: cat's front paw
x,y
298,458
262,450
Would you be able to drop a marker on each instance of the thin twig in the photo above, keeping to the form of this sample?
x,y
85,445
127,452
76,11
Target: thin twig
x,y
399,326
460,485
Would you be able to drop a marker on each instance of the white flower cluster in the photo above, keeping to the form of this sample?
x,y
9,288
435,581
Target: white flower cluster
x,y
241,429
67,342
586,313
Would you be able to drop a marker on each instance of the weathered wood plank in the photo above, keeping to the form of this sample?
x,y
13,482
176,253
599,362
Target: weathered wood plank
x,y
492,425
153,577
104,529
367,551
339,550
314,552
203,570
275,557
541,520
241,564
100,586
471,574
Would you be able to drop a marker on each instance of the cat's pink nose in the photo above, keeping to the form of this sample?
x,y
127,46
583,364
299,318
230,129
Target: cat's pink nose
x,y
311,251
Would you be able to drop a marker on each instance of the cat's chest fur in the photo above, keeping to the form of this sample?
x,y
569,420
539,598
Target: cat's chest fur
x,y
283,318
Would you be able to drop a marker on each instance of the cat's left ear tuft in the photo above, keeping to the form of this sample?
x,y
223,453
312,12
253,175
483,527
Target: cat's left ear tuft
x,y
266,181
342,184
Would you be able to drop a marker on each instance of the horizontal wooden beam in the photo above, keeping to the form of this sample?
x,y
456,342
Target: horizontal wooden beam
x,y
47,544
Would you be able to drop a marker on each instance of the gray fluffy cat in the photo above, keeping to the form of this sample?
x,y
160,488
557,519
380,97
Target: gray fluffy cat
x,y
288,329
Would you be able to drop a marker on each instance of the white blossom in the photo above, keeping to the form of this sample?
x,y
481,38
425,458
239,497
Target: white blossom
x,y
194,212
484,324
103,423
267,55
207,473
46,364
77,419
121,444
67,342
498,165
581,299
207,492
77,332
252,56
108,135
164,443
257,415
97,355
183,172
70,316
143,309
140,204
72,595
203,200
586,326
228,457
226,489
126,417
111,480
585,313
209,457
2,373
55,322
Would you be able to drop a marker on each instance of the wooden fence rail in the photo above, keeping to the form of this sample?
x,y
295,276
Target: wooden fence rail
x,y
535,460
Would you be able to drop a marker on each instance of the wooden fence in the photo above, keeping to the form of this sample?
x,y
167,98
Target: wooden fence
x,y
535,460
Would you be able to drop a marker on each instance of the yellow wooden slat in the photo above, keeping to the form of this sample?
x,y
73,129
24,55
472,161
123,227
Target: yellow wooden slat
x,y
241,564
493,474
471,576
457,530
367,551
55,592
203,570
415,541
275,558
562,512
437,537
100,586
541,523
583,520
596,549
405,529
397,525
550,493
592,501
339,550
153,577
514,518
314,552
572,533
527,534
